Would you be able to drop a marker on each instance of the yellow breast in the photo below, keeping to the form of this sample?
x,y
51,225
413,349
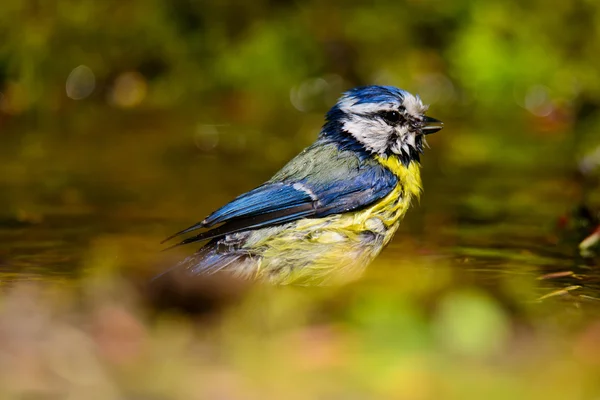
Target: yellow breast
x,y
382,217
393,207
409,177
335,247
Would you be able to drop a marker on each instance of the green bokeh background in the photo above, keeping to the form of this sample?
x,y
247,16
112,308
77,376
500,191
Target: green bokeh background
x,y
249,82
124,121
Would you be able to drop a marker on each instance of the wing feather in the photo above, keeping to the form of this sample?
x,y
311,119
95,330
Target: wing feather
x,y
305,190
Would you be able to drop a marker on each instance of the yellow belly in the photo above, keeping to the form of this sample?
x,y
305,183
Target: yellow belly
x,y
337,247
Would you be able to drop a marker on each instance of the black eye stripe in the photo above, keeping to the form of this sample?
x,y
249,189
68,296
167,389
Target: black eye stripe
x,y
391,117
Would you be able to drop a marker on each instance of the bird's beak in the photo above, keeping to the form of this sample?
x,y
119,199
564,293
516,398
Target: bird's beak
x,y
431,125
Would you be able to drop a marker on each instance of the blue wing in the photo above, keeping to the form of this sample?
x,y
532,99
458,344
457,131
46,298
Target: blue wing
x,y
264,199
303,189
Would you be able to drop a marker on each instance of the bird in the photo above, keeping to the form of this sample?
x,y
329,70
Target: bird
x,y
331,210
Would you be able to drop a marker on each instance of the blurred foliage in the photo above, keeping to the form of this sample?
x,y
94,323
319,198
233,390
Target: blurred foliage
x,y
124,121
194,78
464,54
409,336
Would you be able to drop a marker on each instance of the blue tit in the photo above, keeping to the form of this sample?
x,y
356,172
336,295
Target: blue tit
x,y
331,210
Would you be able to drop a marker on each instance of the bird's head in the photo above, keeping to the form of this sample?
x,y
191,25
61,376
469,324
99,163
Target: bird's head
x,y
383,120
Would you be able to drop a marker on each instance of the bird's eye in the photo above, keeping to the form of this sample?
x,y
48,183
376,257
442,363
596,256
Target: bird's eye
x,y
391,117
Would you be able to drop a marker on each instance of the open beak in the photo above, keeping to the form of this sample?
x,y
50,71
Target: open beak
x,y
431,125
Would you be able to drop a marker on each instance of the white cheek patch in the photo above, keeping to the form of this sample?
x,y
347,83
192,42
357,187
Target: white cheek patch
x,y
372,134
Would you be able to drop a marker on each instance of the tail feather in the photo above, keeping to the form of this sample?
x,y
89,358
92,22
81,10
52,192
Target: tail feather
x,y
208,260
199,225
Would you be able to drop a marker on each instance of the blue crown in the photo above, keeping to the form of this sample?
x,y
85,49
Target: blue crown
x,y
376,94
